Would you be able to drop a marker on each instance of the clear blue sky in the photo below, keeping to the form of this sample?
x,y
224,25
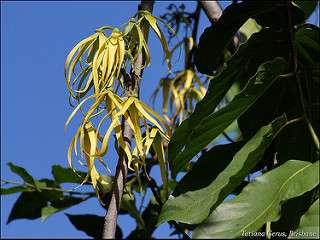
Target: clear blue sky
x,y
35,38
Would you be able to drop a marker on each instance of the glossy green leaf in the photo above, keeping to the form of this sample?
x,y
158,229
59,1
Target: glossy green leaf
x,y
260,201
207,167
92,225
28,205
67,175
211,126
195,206
309,224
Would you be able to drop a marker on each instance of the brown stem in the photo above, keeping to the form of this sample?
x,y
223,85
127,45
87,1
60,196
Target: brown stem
x,y
159,201
213,11
131,88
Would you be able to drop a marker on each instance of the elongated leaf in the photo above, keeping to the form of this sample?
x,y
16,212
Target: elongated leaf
x,y
260,201
213,125
28,205
207,167
67,175
92,225
309,224
195,206
22,173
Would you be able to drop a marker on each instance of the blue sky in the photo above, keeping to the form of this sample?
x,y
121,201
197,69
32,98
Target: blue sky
x,y
35,39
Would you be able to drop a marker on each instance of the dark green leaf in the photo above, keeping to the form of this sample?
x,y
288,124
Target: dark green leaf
x,y
67,175
296,135
207,167
260,201
22,173
195,206
278,17
307,43
28,205
213,125
309,224
92,225
266,108
216,38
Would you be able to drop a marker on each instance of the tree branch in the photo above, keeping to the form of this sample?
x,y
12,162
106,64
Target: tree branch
x,y
131,88
213,11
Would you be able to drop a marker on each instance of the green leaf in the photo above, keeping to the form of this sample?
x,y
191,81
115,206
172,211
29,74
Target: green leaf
x,y
12,190
22,173
277,18
195,206
28,205
296,135
260,201
309,224
213,125
207,167
59,205
266,108
92,225
67,175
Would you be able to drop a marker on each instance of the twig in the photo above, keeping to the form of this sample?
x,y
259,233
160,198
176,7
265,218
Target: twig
x,y
294,66
227,137
24,184
196,17
131,88
159,201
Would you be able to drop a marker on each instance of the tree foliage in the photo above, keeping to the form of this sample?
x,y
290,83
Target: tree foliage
x,y
264,91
